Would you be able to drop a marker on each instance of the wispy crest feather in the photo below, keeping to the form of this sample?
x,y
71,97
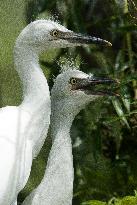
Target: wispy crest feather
x,y
67,64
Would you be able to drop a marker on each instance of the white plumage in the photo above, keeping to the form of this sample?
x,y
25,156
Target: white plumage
x,y
24,128
72,90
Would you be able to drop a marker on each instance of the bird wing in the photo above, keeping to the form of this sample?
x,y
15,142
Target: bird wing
x,y
13,146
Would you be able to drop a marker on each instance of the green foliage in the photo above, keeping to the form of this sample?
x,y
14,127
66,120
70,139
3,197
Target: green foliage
x,y
94,202
127,200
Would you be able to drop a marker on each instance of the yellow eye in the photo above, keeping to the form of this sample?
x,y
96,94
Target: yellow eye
x,y
73,81
54,33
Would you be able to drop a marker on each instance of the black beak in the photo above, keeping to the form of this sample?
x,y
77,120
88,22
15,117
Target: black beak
x,y
97,86
83,39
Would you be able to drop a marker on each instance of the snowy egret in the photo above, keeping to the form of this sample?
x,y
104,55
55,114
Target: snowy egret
x,y
23,128
72,90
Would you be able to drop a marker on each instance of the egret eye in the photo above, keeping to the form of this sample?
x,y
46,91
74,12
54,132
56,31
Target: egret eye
x,y
73,81
54,33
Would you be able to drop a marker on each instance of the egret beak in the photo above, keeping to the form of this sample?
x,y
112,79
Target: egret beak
x,y
72,37
97,86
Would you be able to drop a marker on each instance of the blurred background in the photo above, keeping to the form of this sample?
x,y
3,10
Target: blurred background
x,y
104,135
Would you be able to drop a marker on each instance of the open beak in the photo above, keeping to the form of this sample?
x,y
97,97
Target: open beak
x,y
75,38
97,86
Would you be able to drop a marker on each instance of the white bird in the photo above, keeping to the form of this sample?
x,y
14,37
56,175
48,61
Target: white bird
x,y
72,90
23,128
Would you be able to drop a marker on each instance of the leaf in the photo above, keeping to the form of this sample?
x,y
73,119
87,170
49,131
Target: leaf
x,y
129,200
126,102
94,202
118,108
122,4
119,61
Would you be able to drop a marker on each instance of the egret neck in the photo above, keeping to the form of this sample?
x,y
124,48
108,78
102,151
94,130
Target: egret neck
x,y
36,96
57,183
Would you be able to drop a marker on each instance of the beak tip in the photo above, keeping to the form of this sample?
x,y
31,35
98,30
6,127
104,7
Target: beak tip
x,y
108,43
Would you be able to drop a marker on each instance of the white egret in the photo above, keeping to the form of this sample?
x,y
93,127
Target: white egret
x,y
72,90
23,128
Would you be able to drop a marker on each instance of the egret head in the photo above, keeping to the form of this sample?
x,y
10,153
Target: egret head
x,y
44,34
74,89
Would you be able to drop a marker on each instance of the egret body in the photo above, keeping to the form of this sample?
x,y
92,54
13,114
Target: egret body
x,y
72,90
